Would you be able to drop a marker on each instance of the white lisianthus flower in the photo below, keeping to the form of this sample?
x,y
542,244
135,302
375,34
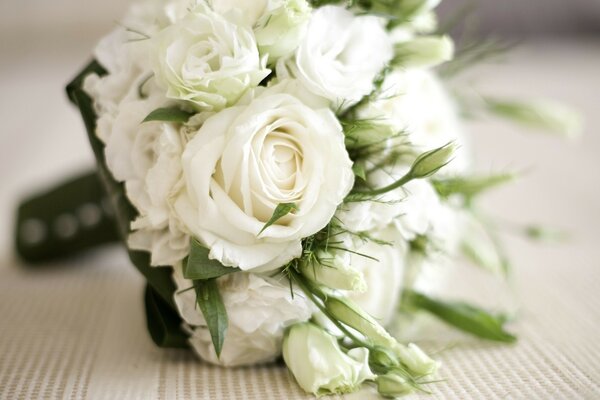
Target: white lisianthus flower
x,y
124,55
207,60
415,103
247,12
411,208
281,29
259,309
147,157
341,54
383,268
320,366
245,161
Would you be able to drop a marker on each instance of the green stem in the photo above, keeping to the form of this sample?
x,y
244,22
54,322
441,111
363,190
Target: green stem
x,y
375,192
311,291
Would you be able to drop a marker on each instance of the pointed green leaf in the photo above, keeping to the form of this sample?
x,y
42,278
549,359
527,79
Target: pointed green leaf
x,y
211,304
199,267
465,317
359,171
164,324
281,211
168,115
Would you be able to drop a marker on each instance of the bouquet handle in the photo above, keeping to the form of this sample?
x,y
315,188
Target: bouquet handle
x,y
64,221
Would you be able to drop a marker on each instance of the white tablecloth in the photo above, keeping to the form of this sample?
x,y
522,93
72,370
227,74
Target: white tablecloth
x,y
77,331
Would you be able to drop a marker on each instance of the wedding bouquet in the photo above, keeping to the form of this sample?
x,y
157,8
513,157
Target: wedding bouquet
x,y
289,176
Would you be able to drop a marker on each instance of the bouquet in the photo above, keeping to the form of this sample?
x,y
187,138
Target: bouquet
x,y
289,176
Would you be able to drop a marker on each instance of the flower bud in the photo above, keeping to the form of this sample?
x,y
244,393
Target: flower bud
x,y
540,114
432,161
393,385
279,31
350,314
334,271
415,359
424,51
363,133
384,357
319,365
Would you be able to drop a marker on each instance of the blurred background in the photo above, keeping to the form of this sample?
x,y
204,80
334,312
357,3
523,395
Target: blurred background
x,y
43,44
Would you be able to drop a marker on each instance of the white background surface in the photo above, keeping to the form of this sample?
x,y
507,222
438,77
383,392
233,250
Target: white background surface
x,y
78,331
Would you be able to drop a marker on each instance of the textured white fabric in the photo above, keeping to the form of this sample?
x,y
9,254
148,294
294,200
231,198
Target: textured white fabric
x,y
78,331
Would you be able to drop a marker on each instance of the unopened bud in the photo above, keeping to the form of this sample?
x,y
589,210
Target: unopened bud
x,y
540,114
393,385
350,314
424,51
335,272
432,161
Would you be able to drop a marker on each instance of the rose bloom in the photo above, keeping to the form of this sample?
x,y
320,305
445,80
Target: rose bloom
x,y
207,59
246,160
341,54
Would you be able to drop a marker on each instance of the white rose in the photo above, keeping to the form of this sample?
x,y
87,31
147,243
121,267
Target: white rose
x,y
146,156
415,102
207,59
320,366
383,273
411,208
245,161
281,29
259,309
341,54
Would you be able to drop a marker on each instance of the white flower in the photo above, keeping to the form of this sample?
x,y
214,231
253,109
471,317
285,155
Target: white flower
x,y
147,157
247,12
207,60
281,29
259,310
245,161
415,102
341,55
319,365
411,208
383,273
124,55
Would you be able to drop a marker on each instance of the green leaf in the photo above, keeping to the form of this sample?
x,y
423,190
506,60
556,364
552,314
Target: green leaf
x,y
172,114
545,234
463,316
211,304
199,267
471,186
281,211
359,171
164,324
